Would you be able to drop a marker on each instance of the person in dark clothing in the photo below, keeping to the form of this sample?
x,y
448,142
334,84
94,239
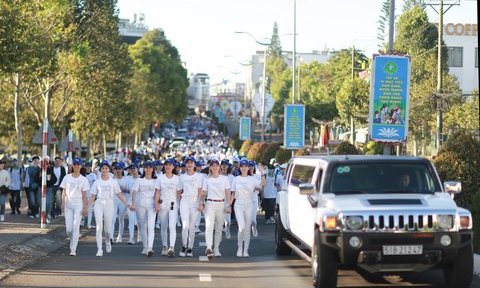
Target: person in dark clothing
x,y
33,183
60,172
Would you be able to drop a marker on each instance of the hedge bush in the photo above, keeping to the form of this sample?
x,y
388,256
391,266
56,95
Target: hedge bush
x,y
283,155
373,148
235,143
270,152
346,148
256,151
245,147
458,160
302,152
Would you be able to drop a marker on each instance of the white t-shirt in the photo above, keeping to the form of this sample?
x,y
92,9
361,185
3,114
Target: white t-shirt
x,y
270,191
105,190
15,179
215,187
145,191
169,188
123,183
73,187
190,185
244,188
58,172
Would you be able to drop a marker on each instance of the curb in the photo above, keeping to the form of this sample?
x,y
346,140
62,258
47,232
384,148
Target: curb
x,y
476,264
19,255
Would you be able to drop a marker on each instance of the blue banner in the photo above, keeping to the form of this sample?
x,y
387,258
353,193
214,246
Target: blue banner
x,y
245,128
389,98
294,124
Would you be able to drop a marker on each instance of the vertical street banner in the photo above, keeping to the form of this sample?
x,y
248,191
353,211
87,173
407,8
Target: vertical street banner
x,y
245,128
389,98
294,126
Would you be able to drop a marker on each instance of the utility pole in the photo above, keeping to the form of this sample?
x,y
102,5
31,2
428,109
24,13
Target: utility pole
x,y
352,122
439,93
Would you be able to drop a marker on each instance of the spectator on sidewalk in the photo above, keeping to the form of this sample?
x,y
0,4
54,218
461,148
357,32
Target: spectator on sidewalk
x,y
16,186
33,182
270,195
4,183
51,179
60,172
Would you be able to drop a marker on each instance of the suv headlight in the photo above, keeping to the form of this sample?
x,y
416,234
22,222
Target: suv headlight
x,y
354,222
445,221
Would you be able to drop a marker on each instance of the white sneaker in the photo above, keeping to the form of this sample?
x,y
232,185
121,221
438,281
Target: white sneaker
x,y
131,242
150,252
73,253
216,252
183,252
119,240
91,226
179,224
48,221
139,238
227,233
108,247
171,252
164,251
245,253
144,251
2,218
157,226
254,231
209,253
99,253
239,252
189,252
197,230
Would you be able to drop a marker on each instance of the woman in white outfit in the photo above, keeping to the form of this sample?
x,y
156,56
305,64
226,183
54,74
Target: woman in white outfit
x,y
145,198
91,177
74,202
103,193
225,170
170,188
119,208
132,215
191,184
243,189
253,172
216,190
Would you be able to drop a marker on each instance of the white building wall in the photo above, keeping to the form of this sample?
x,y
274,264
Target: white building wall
x,y
464,35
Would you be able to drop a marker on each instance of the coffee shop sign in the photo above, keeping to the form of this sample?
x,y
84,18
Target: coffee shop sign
x,y
459,29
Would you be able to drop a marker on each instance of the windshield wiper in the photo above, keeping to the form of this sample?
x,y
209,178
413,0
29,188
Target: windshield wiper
x,y
406,191
341,192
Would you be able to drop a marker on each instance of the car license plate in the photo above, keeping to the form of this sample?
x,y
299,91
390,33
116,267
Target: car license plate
x,y
403,250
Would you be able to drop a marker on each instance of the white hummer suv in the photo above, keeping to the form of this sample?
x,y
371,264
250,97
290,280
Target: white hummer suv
x,y
380,213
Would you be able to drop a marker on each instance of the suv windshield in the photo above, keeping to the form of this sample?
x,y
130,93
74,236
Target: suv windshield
x,y
382,178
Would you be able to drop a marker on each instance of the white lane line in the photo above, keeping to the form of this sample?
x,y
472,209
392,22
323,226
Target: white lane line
x,y
203,258
202,244
205,277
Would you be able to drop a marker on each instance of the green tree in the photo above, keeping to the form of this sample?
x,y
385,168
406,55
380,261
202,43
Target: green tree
x,y
383,23
100,106
417,37
352,100
159,82
275,47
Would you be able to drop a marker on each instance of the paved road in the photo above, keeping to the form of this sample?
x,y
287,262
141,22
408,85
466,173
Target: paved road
x,y
125,267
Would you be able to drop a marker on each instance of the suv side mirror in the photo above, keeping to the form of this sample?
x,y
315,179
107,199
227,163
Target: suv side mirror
x,y
452,187
306,188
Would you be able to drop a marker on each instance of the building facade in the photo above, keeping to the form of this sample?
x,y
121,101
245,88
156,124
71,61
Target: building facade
x,y
130,32
462,46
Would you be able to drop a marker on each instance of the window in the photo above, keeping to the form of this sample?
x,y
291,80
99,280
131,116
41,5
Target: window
x,y
302,174
455,56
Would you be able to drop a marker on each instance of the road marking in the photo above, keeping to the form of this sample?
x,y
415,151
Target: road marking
x,y
203,258
202,244
205,277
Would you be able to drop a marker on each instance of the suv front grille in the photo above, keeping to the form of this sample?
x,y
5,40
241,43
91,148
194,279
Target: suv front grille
x,y
399,222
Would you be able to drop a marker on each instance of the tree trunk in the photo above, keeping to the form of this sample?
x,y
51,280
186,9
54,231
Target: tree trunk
x,y
16,112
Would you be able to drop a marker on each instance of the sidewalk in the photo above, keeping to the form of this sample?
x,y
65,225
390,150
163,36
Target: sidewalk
x,y
23,242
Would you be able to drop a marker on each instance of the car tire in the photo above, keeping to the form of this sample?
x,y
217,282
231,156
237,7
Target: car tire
x,y
281,248
459,273
324,264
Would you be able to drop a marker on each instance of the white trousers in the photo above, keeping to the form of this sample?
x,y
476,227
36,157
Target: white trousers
x,y
168,223
189,215
146,222
243,213
73,217
120,209
214,217
103,217
254,209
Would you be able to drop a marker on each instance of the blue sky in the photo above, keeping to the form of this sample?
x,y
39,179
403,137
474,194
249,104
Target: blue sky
x,y
203,31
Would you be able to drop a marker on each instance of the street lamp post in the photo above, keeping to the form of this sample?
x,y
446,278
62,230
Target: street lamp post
x,y
263,79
